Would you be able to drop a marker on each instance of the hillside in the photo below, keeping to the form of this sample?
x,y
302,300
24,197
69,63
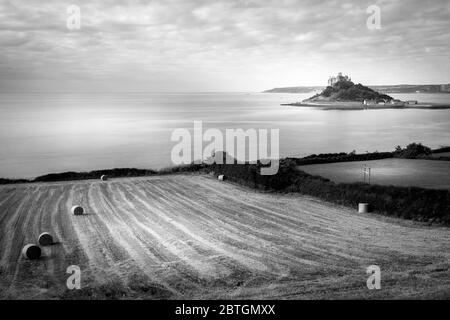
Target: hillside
x,y
407,88
194,237
346,90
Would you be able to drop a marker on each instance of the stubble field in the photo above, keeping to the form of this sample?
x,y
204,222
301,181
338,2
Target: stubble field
x,y
191,236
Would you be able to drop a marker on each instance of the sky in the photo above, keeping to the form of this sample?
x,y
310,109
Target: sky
x,y
223,45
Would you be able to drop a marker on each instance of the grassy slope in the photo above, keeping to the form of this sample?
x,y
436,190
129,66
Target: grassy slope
x,y
398,172
190,236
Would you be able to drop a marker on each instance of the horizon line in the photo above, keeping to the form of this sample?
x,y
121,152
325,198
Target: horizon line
x,y
205,92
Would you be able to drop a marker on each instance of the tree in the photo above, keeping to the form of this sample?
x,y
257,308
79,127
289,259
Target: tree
x,y
414,150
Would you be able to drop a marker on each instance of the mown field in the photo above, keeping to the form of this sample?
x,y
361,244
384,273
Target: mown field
x,y
434,174
191,236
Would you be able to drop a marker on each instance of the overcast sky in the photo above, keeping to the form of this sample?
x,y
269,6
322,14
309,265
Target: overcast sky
x,y
224,45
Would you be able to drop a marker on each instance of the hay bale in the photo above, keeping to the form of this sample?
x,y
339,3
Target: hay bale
x,y
104,177
45,239
363,208
31,251
221,177
77,210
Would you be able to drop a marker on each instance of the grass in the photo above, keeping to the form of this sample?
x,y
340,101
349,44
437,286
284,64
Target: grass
x,y
397,172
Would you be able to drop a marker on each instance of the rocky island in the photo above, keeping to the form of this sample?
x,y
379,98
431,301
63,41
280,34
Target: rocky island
x,y
342,93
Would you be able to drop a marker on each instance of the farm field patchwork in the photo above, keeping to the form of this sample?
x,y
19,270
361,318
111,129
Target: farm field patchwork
x,y
191,236
434,174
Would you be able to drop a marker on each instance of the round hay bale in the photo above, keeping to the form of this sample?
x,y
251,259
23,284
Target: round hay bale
x,y
31,251
363,208
45,239
221,177
104,177
77,210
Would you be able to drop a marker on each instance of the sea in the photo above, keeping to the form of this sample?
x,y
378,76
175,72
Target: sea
x,y
44,133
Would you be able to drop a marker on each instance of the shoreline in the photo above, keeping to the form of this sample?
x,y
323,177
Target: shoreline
x,y
349,105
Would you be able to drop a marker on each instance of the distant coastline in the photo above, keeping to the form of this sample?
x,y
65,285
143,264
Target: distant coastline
x,y
402,88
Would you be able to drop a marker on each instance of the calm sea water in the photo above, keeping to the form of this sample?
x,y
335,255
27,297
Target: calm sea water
x,y
43,133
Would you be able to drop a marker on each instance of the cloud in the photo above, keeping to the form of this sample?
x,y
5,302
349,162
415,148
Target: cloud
x,y
223,45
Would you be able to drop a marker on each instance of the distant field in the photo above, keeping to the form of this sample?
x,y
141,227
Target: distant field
x,y
191,236
398,172
441,154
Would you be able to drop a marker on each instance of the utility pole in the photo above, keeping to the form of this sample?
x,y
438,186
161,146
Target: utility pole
x,y
366,171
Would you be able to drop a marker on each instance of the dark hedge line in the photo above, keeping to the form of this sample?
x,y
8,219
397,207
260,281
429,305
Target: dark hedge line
x,y
442,149
96,174
111,173
10,181
181,169
249,174
341,157
115,173
438,158
412,151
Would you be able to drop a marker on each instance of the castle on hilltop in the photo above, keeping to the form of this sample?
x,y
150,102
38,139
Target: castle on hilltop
x,y
333,80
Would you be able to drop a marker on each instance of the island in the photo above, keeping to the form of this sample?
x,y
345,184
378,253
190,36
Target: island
x,y
342,93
